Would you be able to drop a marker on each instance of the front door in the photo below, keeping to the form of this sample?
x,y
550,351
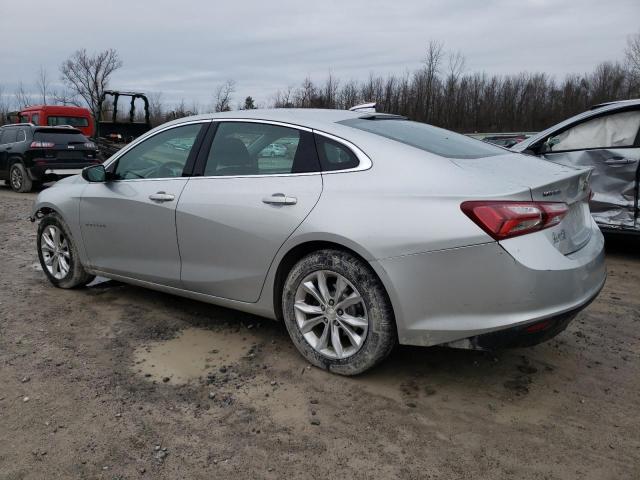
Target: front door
x,y
259,183
610,145
128,223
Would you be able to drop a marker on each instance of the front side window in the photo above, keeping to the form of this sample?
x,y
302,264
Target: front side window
x,y
426,137
35,119
163,155
249,148
609,131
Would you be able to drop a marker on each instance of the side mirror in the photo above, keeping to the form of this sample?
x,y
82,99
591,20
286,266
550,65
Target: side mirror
x,y
95,174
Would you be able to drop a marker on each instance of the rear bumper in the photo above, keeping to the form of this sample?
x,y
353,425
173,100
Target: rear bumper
x,y
461,293
525,335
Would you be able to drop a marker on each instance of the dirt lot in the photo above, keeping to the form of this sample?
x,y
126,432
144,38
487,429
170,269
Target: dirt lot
x,y
114,381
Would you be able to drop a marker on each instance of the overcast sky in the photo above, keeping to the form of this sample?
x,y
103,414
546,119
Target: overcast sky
x,y
185,48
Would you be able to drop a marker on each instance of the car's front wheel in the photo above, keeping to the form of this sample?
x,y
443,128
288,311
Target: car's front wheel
x,y
58,254
338,313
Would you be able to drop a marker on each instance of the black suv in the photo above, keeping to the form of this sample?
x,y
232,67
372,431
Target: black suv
x,y
31,155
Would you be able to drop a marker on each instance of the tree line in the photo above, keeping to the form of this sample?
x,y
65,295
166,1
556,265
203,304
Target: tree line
x,y
440,92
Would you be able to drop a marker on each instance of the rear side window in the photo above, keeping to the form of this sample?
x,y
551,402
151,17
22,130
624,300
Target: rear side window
x,y
22,136
426,137
609,131
251,148
53,121
59,137
335,156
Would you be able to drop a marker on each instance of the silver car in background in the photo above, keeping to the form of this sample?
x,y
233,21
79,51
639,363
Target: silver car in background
x,y
371,230
607,140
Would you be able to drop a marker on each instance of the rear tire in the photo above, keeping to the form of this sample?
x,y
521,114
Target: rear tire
x,y
337,312
19,178
58,254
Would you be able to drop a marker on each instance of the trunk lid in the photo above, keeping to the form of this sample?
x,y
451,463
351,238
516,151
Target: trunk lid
x,y
69,145
547,182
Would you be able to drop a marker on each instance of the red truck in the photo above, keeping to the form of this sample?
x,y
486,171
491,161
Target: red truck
x,y
56,115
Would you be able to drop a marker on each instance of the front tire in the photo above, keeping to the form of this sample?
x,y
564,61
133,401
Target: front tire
x,y
58,254
337,312
19,179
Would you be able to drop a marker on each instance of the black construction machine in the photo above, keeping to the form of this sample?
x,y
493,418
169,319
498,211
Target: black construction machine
x,y
115,132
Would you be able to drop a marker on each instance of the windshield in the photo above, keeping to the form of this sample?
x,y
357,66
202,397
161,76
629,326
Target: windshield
x,y
426,137
59,136
73,121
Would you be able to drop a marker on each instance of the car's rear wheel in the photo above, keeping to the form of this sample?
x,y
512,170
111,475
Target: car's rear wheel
x,y
338,313
19,179
58,254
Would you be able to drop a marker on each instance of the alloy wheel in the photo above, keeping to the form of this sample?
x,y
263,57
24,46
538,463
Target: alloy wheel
x,y
55,252
331,314
16,178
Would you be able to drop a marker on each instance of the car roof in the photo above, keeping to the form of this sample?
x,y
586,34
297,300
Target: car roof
x,y
39,128
314,118
60,109
596,111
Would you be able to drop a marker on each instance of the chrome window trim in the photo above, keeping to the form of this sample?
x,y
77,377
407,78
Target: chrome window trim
x,y
363,159
365,162
268,122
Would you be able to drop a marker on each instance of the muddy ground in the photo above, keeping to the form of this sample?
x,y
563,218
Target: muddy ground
x,y
115,381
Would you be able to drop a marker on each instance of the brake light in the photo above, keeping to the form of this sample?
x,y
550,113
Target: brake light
x,y
506,219
42,144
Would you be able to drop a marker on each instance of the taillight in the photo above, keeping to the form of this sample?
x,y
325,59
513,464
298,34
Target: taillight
x,y
42,144
506,219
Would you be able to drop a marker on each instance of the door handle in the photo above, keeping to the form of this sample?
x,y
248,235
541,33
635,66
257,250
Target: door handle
x,y
618,161
162,197
280,199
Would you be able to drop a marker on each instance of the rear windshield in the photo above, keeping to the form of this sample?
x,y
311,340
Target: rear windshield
x,y
59,137
72,121
426,137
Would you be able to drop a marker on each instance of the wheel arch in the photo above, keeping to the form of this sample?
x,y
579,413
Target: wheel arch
x,y
298,251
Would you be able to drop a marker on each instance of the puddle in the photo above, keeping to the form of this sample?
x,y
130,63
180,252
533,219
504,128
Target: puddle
x,y
192,354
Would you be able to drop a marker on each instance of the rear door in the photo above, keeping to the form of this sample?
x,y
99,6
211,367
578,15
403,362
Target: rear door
x,y
248,199
610,144
128,223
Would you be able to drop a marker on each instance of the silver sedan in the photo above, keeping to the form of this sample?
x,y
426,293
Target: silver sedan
x,y
368,231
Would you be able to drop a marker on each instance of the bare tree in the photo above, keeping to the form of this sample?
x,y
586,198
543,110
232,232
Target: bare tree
x,y
156,111
22,98
632,53
43,84
88,75
4,106
284,98
222,101
66,97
